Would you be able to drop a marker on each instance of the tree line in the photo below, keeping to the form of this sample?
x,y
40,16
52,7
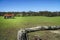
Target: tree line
x,y
31,13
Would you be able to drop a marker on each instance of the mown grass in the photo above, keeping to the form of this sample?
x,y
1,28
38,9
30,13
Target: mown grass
x,y
9,27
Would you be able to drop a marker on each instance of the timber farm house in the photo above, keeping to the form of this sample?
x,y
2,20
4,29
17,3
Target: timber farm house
x,y
8,15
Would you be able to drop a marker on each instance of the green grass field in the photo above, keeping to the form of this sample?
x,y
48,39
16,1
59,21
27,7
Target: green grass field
x,y
10,27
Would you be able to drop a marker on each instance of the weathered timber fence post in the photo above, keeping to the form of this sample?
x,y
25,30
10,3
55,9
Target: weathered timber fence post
x,y
22,34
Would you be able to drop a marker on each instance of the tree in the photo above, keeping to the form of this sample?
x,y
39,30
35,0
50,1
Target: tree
x,y
22,34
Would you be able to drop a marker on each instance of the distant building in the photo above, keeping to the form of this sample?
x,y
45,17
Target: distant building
x,y
8,15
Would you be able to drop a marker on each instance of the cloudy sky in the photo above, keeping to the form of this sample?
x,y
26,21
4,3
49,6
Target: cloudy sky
x,y
29,5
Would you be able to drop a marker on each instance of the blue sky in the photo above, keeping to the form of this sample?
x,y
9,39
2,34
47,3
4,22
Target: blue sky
x,y
29,5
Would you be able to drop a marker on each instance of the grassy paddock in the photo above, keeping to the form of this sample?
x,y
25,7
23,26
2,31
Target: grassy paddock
x,y
9,27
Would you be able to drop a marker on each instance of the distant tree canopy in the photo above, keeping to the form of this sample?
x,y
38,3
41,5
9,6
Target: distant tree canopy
x,y
31,13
